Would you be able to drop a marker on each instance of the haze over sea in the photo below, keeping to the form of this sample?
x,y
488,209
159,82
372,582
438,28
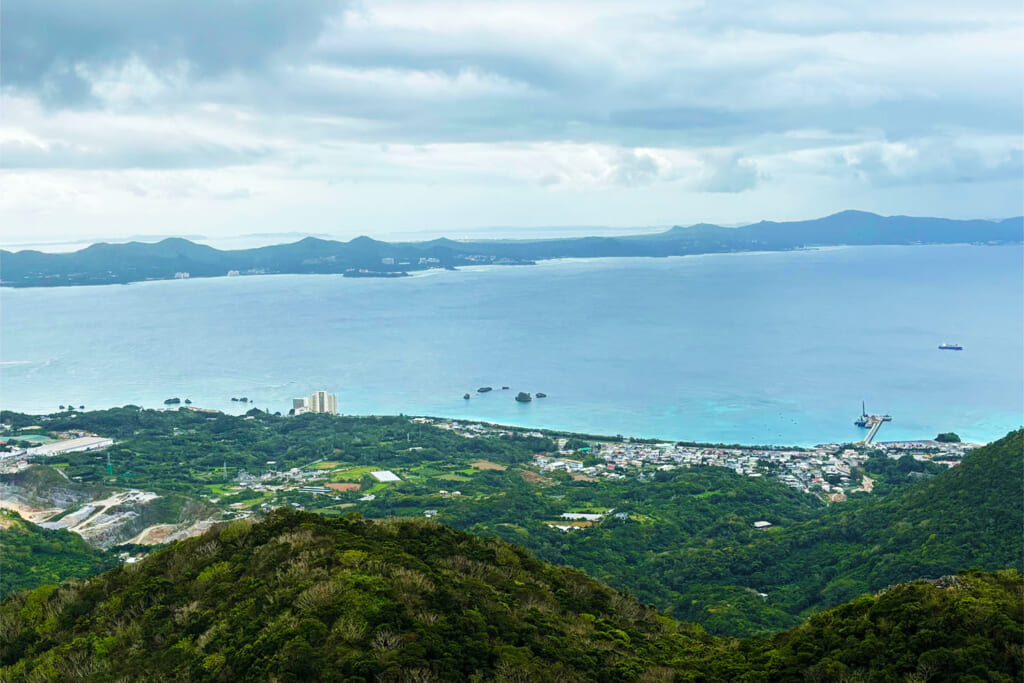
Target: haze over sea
x,y
740,348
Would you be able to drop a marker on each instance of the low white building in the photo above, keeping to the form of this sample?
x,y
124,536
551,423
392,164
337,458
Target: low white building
x,y
84,443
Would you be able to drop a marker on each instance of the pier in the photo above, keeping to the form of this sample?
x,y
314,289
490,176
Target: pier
x,y
874,422
871,422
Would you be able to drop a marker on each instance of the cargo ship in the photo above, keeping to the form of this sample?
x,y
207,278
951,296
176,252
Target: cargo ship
x,y
950,347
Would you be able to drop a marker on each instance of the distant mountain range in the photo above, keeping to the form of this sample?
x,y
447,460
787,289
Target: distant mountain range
x,y
365,257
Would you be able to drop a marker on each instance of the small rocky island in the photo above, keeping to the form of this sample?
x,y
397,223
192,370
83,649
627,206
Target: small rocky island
x,y
483,390
524,397
172,401
541,394
465,396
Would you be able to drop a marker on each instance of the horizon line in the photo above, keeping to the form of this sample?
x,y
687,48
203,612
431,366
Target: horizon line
x,y
85,243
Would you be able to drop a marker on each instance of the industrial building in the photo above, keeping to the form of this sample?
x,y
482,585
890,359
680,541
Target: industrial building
x,y
85,443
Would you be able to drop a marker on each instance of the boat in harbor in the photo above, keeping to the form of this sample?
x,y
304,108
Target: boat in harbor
x,y
868,421
862,421
950,347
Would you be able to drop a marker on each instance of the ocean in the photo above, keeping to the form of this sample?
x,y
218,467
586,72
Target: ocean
x,y
755,348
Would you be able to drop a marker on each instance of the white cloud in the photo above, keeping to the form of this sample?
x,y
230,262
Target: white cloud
x,y
951,160
643,112
731,174
133,83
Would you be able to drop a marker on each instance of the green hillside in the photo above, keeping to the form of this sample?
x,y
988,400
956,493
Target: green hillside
x,y
32,556
709,508
688,545
303,597
968,517
957,628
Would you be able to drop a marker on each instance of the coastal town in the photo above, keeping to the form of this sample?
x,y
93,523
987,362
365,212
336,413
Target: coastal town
x,y
108,515
828,470
825,470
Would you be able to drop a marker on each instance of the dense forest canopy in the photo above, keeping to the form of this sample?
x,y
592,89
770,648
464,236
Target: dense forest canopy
x,y
32,556
303,597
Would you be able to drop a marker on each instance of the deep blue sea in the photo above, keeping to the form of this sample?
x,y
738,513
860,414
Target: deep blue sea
x,y
741,348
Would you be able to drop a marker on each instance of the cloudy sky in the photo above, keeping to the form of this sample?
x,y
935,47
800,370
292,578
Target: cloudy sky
x,y
231,117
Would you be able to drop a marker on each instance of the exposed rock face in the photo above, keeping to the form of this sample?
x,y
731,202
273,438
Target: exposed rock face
x,y
524,397
43,487
103,516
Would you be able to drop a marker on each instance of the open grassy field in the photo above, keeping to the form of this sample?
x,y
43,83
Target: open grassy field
x,y
352,473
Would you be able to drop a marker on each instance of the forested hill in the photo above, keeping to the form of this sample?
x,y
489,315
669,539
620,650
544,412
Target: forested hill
x,y
704,562
134,261
968,517
955,628
301,597
31,556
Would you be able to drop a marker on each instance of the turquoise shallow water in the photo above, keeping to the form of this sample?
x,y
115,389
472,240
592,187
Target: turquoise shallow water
x,y
751,348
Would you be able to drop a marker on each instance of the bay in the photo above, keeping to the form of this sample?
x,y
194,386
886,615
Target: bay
x,y
765,348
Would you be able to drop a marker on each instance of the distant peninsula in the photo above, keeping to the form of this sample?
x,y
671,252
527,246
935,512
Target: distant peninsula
x,y
365,257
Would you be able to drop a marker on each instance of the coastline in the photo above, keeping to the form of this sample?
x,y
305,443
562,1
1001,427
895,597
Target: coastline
x,y
535,261
488,267
678,348
543,426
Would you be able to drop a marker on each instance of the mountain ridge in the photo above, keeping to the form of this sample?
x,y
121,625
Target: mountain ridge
x,y
106,263
303,597
965,517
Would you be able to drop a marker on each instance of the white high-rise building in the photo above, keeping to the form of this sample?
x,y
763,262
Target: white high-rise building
x,y
322,402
